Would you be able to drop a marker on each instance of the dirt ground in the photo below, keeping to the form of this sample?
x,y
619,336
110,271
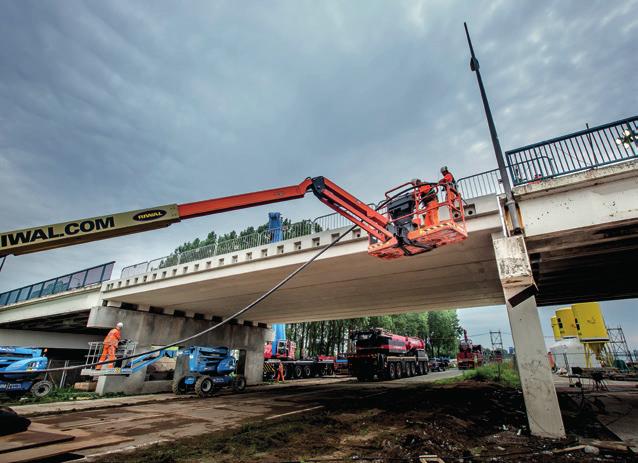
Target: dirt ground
x,y
465,422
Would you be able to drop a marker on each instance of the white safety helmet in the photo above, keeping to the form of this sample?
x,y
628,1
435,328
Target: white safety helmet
x,y
119,325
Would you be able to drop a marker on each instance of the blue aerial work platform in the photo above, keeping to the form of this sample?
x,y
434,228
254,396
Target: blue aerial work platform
x,y
28,359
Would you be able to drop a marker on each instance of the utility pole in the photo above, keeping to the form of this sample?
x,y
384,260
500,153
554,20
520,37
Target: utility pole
x,y
496,338
510,203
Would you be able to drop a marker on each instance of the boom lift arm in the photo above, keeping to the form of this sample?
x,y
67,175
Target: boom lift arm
x,y
409,226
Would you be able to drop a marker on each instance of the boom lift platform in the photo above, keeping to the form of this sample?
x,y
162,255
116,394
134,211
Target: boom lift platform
x,y
416,217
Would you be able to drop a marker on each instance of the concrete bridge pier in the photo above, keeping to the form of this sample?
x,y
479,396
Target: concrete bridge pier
x,y
539,392
149,330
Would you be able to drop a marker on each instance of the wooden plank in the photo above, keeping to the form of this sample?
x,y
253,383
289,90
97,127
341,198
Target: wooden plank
x,y
29,439
48,451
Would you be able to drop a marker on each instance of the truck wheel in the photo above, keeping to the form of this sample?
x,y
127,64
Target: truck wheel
x,y
41,389
399,370
298,372
179,386
329,371
392,372
239,384
307,371
204,386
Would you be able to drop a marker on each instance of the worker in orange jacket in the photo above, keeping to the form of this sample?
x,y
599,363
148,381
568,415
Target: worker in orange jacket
x,y
110,345
427,197
280,373
449,180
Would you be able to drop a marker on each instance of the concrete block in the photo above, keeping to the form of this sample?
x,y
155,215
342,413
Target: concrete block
x,y
155,387
132,384
514,268
86,386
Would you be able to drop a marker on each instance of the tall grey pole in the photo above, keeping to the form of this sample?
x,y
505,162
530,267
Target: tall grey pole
x,y
510,203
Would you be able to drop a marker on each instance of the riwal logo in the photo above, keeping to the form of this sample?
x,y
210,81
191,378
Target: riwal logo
x,y
149,215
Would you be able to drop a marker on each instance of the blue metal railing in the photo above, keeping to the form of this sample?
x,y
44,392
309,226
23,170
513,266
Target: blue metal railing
x,y
79,279
576,152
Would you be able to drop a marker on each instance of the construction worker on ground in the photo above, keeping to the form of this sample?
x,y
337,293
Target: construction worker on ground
x,y
110,345
280,373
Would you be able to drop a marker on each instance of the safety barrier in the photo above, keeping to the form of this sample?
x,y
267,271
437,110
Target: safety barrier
x,y
587,149
483,184
79,279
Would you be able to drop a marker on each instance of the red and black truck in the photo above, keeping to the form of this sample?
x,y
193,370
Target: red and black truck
x,y
384,355
470,355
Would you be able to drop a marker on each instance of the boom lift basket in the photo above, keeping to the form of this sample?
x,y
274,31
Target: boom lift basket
x,y
421,224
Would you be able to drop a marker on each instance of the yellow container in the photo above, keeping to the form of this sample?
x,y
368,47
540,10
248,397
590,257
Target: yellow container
x,y
555,329
566,323
590,324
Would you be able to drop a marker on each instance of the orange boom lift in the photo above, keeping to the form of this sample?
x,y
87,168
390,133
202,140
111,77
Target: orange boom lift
x,y
415,217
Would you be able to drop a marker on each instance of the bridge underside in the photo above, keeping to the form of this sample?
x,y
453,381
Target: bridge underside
x,y
585,265
349,284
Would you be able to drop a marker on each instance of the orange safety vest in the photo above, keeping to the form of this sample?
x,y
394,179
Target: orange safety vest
x,y
113,338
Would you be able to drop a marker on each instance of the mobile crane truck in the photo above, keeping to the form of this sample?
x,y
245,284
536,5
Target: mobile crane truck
x,y
385,355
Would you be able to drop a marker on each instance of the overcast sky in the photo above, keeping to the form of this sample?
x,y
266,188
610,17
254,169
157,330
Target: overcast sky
x,y
113,106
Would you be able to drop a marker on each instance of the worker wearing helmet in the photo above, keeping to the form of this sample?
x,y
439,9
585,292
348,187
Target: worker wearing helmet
x,y
110,345
427,198
449,183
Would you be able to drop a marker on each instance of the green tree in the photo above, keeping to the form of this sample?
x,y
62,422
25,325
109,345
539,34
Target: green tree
x,y
443,332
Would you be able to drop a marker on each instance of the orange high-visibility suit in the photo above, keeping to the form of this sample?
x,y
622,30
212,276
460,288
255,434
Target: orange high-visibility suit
x,y
280,373
448,179
110,345
430,202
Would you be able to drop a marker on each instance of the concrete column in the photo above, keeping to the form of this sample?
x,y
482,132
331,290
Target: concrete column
x,y
539,392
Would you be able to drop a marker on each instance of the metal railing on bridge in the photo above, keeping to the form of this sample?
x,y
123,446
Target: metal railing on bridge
x,y
579,151
79,279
